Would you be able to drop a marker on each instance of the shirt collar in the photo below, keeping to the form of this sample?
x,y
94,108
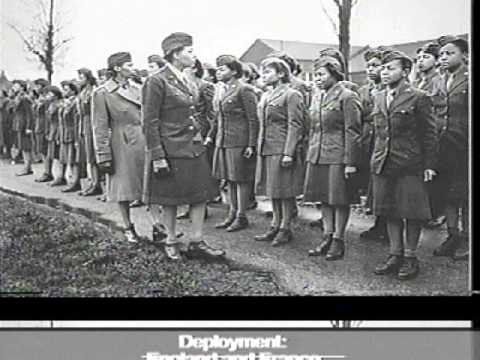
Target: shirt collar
x,y
177,72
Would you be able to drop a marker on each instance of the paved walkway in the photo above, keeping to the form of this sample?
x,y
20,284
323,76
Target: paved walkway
x,y
294,269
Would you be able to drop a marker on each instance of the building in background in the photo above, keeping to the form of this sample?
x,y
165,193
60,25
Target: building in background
x,y
306,53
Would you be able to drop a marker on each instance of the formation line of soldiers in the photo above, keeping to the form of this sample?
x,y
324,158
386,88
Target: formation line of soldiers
x,y
172,136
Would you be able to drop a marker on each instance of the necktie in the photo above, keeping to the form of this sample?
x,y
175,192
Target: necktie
x,y
450,81
390,96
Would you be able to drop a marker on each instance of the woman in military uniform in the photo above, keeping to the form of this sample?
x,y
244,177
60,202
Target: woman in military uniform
x,y
41,130
69,119
55,96
367,92
235,132
118,139
178,170
450,96
404,156
85,145
333,154
22,123
280,157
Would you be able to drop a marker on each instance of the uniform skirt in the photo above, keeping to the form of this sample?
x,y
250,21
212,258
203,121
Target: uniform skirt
x,y
450,186
326,183
24,141
88,143
68,153
230,164
53,150
41,144
401,196
277,182
189,181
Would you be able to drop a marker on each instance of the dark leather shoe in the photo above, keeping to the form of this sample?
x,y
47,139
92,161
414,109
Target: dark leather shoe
x,y
72,188
226,223
323,247
44,178
391,265
409,269
268,236
92,191
238,224
448,247
136,203
201,250
252,206
336,251
283,236
317,223
24,172
58,182
158,232
172,251
131,234
183,216
435,223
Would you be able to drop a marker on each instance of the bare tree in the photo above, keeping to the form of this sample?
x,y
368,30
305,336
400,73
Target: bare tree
x,y
341,26
44,37
346,323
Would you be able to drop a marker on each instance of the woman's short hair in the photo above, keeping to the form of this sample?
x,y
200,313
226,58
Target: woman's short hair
x,y
232,63
279,66
169,55
198,69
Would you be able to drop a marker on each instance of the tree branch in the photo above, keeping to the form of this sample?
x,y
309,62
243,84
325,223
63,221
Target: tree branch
x,y
339,4
30,46
354,2
61,43
330,18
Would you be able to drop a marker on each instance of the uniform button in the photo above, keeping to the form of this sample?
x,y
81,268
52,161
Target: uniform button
x,y
191,127
388,138
444,128
192,107
445,117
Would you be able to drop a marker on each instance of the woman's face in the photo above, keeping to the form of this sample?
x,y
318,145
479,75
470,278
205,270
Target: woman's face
x,y
153,67
225,74
451,57
374,65
392,72
270,76
82,79
425,61
186,56
126,70
324,79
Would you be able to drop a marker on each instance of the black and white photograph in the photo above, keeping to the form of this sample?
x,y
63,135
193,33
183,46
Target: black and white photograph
x,y
158,148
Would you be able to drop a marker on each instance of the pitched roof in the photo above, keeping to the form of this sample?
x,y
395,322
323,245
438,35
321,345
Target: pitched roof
x,y
298,49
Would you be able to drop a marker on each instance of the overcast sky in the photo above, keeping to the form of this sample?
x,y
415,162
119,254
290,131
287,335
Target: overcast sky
x,y
102,27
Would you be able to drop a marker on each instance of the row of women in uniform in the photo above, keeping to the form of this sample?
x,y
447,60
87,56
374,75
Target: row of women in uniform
x,y
390,136
53,124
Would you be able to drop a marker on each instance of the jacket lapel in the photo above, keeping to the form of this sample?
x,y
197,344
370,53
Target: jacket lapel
x,y
275,94
459,79
230,91
175,82
380,98
131,94
332,95
405,93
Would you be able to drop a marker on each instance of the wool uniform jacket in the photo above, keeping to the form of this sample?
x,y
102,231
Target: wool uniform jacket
x,y
451,107
53,120
69,118
236,123
367,93
115,115
169,109
204,111
41,123
405,133
427,83
282,121
22,114
336,129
